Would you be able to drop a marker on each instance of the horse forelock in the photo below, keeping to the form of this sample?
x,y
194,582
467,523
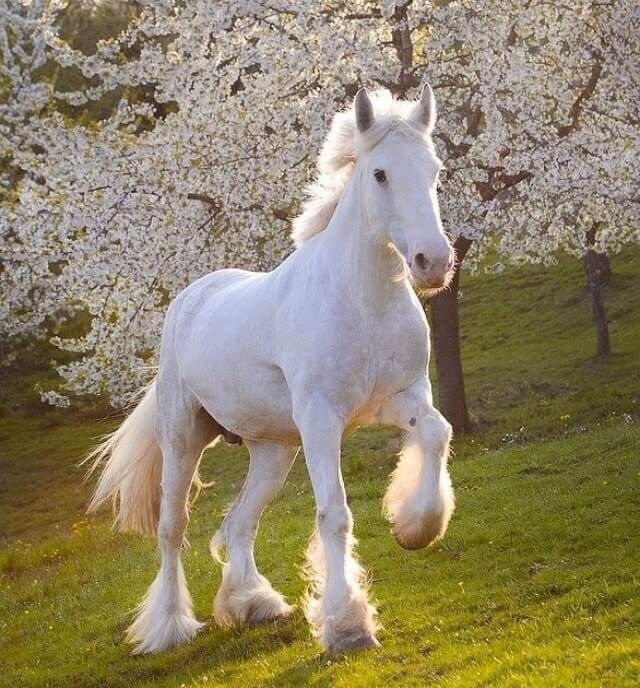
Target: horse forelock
x,y
340,151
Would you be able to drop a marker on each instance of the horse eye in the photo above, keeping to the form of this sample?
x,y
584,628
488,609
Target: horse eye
x,y
380,176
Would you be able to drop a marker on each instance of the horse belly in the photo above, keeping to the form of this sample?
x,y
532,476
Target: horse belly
x,y
256,407
248,397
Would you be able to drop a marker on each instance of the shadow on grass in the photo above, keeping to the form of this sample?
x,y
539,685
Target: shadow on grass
x,y
218,652
307,671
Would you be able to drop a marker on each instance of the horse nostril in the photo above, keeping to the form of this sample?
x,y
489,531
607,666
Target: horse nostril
x,y
421,261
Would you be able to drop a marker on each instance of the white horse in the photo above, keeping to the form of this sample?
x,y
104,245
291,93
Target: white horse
x,y
333,338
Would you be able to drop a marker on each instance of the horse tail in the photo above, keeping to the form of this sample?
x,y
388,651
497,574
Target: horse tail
x,y
132,469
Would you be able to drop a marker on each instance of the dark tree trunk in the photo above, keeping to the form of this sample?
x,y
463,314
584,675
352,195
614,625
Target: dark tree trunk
x,y
445,325
604,266
593,270
598,271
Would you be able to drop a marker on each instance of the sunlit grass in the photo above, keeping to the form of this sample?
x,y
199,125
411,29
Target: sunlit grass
x,y
536,583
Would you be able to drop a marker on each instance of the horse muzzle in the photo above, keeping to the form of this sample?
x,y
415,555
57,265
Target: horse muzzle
x,y
432,274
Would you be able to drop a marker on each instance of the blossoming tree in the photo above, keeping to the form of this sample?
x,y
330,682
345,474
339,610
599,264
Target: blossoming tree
x,y
541,141
221,108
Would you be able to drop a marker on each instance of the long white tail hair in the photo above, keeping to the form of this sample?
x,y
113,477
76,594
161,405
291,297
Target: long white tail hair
x,y
132,470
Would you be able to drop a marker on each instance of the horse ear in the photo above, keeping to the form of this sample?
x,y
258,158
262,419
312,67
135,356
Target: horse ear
x,y
425,111
364,110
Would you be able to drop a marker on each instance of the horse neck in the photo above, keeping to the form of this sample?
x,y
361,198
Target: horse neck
x,y
366,263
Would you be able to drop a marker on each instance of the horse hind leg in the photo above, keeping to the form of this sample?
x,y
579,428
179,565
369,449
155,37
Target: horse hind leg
x,y
246,596
165,617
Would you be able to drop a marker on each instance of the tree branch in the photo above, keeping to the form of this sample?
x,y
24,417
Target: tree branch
x,y
403,44
205,198
585,94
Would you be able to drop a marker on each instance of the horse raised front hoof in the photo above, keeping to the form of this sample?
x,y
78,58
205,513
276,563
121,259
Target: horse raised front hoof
x,y
421,531
417,522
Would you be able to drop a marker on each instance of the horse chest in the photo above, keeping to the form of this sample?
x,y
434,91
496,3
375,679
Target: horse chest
x,y
398,357
401,353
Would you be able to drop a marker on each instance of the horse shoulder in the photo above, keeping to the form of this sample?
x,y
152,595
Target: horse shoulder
x,y
324,341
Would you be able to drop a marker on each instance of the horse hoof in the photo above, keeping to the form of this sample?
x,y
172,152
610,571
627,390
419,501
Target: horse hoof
x,y
268,611
250,606
418,535
364,641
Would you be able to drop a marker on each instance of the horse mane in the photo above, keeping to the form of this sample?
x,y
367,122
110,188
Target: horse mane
x,y
339,154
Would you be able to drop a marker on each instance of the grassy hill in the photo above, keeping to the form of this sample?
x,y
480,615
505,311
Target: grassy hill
x,y
536,583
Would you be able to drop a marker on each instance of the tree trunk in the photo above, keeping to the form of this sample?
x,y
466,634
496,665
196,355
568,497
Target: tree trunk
x,y
604,266
598,271
595,278
445,325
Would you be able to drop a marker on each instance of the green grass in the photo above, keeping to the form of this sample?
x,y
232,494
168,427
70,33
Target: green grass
x,y
536,583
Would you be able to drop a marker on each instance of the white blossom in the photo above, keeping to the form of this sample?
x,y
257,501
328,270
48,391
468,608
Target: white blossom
x,y
538,131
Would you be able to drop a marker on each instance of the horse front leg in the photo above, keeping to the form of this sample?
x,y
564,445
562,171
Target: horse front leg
x,y
337,605
419,500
